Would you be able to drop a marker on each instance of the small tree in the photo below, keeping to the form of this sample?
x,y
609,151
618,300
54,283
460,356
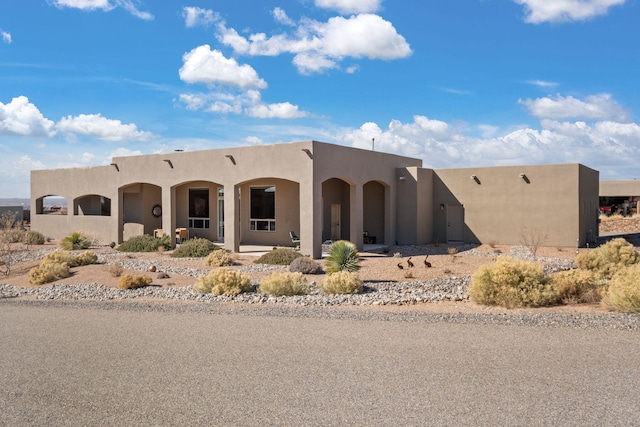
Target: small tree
x,y
11,233
532,238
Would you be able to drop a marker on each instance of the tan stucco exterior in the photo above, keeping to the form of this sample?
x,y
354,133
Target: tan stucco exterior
x,y
322,192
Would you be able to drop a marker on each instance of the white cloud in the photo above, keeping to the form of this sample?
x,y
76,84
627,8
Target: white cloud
x,y
105,6
196,16
99,127
593,107
350,6
124,152
282,110
318,46
210,67
539,11
281,16
21,117
609,146
542,83
6,37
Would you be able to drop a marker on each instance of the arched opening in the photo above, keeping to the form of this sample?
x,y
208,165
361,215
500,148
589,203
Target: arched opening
x,y
336,208
373,212
200,209
51,205
92,204
141,205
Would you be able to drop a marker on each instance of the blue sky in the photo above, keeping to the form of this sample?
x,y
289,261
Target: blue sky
x,y
457,83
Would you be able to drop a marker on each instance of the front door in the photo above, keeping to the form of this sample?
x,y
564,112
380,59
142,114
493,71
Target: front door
x,y
455,223
335,221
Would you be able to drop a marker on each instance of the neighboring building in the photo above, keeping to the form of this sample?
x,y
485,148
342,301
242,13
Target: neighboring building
x,y
258,195
15,211
618,195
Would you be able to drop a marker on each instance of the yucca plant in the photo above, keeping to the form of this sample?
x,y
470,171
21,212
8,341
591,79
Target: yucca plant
x,y
343,256
75,241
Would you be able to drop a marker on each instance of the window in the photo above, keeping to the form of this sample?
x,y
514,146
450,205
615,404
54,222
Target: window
x,y
263,209
198,208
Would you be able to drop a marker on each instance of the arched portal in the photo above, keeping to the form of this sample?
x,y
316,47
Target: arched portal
x,y
373,211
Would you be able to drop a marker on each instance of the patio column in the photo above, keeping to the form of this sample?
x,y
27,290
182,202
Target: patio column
x,y
311,219
356,215
168,213
232,217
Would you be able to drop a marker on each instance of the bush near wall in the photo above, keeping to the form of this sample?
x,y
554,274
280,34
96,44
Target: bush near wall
x,y
305,265
279,256
608,258
145,243
195,248
219,258
512,283
75,241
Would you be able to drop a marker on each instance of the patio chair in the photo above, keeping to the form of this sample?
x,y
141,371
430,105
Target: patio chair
x,y
295,240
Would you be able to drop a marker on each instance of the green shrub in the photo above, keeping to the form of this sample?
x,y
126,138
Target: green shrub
x,y
623,291
75,241
577,286
34,238
278,256
134,281
342,282
608,258
343,256
145,243
284,284
219,258
48,271
512,283
305,265
224,281
194,248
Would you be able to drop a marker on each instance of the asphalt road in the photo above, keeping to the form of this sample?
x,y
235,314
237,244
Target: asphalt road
x,y
77,366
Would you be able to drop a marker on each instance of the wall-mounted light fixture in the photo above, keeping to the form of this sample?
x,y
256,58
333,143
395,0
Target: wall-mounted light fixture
x,y
441,206
178,150
115,165
475,178
168,162
525,178
230,157
309,153
402,177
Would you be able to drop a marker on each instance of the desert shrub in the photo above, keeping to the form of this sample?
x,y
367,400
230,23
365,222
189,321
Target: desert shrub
x,y
342,282
623,291
34,238
195,248
219,258
343,256
75,241
134,281
116,270
305,265
279,256
145,243
48,271
224,281
60,256
576,286
286,283
512,283
608,258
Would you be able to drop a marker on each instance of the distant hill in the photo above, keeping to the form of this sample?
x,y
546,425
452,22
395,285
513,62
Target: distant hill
x,y
15,202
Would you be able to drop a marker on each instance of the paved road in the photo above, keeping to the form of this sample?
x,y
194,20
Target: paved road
x,y
77,366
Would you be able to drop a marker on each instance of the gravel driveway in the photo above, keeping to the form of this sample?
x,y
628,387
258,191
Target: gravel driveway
x,y
123,364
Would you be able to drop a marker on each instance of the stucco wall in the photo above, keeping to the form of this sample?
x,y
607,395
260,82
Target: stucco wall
x,y
501,204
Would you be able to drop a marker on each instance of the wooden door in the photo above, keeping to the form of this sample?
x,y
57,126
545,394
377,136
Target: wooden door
x,y
455,223
336,211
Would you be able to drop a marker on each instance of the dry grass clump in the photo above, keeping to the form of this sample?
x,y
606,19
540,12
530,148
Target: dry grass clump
x,y
116,270
305,265
48,271
623,291
34,238
608,258
342,282
224,281
512,283
284,284
577,286
279,256
63,256
219,258
134,281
